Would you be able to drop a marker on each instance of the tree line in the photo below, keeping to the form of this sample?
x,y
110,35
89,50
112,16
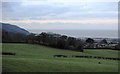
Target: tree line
x,y
70,43
57,41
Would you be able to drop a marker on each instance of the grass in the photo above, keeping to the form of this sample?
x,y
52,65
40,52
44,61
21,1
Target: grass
x,y
37,58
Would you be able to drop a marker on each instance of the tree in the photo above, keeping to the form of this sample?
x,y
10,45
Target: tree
x,y
117,47
51,39
43,37
74,44
31,38
61,41
79,45
90,40
57,40
104,41
71,41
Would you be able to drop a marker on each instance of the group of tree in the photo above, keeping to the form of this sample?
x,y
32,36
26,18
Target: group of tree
x,y
102,44
117,47
57,41
66,42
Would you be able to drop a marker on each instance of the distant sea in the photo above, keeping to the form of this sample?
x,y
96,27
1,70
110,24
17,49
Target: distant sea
x,y
82,33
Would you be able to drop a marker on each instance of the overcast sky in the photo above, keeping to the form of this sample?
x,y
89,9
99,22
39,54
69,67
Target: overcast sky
x,y
62,14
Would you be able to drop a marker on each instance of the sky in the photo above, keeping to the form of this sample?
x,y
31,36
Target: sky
x,y
61,14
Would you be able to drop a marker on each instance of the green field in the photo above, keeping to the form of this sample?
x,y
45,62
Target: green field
x,y
37,58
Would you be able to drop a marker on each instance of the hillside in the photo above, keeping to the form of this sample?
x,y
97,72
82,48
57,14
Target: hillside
x,y
12,28
37,58
12,33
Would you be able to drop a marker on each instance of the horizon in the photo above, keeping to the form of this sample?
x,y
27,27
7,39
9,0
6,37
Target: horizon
x,y
62,15
76,32
81,33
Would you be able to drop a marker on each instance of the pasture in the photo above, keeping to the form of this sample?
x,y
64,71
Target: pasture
x,y
38,58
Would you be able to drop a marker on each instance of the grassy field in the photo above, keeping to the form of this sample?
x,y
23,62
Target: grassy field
x,y
37,58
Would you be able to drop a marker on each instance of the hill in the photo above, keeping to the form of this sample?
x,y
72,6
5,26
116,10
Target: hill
x,y
12,33
12,28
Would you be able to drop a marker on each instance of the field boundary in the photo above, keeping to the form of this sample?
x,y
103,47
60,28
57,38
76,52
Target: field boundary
x,y
95,57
